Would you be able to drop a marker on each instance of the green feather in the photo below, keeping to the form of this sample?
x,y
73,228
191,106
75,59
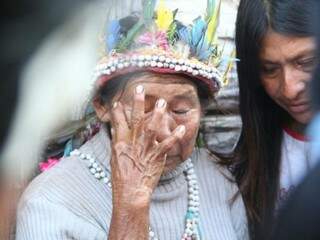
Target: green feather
x,y
148,10
133,32
211,5
172,35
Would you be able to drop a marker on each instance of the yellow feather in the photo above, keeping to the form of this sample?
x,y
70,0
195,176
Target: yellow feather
x,y
229,67
213,24
164,17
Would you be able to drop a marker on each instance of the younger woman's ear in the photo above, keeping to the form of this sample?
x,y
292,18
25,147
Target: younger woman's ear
x,y
102,111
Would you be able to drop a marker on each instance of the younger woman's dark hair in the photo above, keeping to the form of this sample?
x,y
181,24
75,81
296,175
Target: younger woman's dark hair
x,y
256,164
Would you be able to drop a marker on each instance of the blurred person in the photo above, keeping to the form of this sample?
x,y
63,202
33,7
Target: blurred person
x,y
276,50
142,176
34,36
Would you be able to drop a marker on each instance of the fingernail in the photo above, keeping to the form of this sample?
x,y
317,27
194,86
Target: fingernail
x,y
112,131
161,103
181,129
139,89
115,104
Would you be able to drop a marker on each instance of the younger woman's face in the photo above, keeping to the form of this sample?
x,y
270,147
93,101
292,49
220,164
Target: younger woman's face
x,y
183,108
287,65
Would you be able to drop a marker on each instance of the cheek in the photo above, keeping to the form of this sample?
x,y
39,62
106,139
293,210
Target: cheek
x,y
187,143
271,87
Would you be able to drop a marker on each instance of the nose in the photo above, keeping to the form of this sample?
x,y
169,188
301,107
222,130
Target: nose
x,y
293,84
165,128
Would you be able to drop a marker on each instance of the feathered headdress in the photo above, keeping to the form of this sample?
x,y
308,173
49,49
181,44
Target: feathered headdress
x,y
155,40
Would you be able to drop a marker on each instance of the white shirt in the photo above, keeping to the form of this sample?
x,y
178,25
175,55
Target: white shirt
x,y
296,162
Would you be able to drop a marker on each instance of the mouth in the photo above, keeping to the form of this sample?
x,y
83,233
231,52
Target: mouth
x,y
299,108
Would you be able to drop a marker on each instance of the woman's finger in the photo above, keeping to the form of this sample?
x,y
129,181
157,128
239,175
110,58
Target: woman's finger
x,y
137,114
165,146
153,125
119,123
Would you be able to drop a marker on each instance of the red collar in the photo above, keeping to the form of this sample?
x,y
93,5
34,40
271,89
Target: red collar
x,y
295,134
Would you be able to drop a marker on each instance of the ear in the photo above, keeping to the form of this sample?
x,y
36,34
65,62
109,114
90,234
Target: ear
x,y
102,111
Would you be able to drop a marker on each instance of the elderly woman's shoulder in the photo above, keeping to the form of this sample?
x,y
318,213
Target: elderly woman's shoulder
x,y
55,181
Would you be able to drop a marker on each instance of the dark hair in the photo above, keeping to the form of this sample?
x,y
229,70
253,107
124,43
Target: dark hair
x,y
257,156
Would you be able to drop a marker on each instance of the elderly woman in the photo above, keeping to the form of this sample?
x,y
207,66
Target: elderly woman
x,y
141,176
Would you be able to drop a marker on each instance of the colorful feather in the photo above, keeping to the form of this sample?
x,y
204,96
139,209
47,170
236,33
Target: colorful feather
x,y
172,34
213,14
197,32
133,32
231,60
184,34
164,17
148,10
211,4
113,35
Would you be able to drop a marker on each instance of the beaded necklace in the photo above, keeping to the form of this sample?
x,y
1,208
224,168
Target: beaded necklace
x,y
191,231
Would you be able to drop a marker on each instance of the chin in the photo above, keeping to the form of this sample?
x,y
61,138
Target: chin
x,y
303,118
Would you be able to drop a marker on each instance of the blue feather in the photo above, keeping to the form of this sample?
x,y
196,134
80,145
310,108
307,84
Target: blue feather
x,y
184,34
113,34
68,148
198,32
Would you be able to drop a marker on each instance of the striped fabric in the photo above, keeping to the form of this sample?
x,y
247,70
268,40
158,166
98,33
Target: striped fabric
x,y
67,202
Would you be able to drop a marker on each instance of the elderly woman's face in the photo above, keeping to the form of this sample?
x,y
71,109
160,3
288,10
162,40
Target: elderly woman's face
x,y
183,108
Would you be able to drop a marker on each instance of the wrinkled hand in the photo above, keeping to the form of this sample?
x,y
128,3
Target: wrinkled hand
x,y
138,159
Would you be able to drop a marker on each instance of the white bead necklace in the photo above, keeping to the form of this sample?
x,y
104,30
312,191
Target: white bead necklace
x,y
191,231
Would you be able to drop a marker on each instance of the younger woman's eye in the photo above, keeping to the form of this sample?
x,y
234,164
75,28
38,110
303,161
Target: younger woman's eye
x,y
307,64
269,70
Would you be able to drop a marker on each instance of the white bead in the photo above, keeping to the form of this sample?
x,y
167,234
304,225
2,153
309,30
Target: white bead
x,y
105,180
155,58
126,64
141,58
172,66
190,70
181,61
160,65
195,72
162,58
174,61
95,165
134,57
148,57
147,64
168,60
112,69
97,175
120,66
140,64
153,63
102,174
93,171
177,68
82,156
99,169
151,234
184,68
166,65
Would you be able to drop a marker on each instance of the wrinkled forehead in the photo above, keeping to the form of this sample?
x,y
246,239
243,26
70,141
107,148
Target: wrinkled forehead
x,y
169,85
